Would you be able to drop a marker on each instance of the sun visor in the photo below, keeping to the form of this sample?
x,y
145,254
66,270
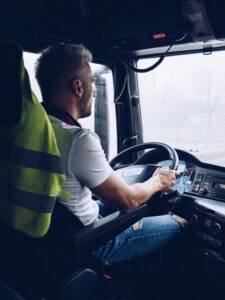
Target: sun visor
x,y
216,14
196,16
205,19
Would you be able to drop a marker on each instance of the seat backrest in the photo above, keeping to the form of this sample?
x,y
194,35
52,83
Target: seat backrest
x,y
7,293
30,175
11,100
28,264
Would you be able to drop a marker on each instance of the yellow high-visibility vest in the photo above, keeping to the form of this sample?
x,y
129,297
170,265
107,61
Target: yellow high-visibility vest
x,y
30,171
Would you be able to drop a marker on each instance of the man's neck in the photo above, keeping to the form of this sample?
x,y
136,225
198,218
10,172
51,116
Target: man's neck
x,y
68,103
60,114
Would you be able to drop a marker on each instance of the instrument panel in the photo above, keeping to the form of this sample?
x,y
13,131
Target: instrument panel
x,y
198,178
187,171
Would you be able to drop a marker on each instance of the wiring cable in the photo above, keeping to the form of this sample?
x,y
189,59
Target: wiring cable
x,y
159,61
122,90
145,70
148,69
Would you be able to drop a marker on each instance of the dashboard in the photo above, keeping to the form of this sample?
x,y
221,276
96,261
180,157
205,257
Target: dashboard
x,y
201,198
187,171
204,184
198,178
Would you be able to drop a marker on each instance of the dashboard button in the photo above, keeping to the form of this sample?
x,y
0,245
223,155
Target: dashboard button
x,y
196,188
216,228
194,220
203,191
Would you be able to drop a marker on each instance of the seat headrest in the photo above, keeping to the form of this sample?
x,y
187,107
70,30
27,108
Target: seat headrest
x,y
11,73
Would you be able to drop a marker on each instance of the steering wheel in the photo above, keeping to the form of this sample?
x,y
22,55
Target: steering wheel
x,y
171,152
141,172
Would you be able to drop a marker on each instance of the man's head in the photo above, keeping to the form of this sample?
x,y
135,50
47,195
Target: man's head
x,y
65,78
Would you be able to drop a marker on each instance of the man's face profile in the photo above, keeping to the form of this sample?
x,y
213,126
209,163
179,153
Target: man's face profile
x,y
88,94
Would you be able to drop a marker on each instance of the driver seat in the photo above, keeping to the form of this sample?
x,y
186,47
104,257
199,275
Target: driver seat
x,y
59,265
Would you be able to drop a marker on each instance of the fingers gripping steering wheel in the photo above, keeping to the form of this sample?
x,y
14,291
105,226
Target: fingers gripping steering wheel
x,y
140,172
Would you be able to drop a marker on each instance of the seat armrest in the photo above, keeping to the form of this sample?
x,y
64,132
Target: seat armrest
x,y
93,236
79,285
7,292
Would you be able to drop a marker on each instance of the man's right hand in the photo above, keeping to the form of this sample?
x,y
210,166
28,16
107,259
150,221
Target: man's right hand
x,y
165,179
124,197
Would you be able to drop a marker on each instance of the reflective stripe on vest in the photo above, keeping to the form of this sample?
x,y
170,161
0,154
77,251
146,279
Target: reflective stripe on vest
x,y
39,203
30,158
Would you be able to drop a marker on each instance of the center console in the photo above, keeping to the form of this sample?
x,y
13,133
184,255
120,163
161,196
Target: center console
x,y
208,216
208,227
209,185
203,187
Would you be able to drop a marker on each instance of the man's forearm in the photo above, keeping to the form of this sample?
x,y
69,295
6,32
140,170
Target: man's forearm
x,y
141,192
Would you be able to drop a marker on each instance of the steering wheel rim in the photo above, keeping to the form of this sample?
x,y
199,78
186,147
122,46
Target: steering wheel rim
x,y
134,149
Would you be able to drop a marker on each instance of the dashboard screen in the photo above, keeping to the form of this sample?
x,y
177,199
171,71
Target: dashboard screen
x,y
182,167
187,173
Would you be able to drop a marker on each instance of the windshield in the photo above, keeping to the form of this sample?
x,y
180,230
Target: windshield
x,y
183,104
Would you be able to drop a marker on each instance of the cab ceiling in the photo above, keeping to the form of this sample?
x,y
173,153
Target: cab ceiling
x,y
109,27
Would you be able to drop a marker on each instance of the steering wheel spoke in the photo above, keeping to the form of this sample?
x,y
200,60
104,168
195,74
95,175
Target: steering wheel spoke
x,y
137,173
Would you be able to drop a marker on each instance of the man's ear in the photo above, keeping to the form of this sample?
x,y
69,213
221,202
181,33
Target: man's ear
x,y
77,87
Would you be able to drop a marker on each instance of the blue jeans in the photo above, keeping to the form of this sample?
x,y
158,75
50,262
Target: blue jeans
x,y
152,234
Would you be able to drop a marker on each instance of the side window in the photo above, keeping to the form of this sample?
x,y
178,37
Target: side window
x,y
29,62
102,119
